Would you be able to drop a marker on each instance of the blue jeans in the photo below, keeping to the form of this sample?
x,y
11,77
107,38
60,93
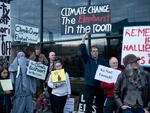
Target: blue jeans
x,y
133,110
110,105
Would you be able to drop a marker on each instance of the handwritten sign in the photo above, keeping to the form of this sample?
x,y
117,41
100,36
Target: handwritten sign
x,y
107,74
37,70
26,34
136,40
58,76
69,106
6,84
5,29
90,19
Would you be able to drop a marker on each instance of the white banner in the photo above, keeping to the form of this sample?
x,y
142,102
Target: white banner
x,y
136,40
106,74
5,29
26,34
37,70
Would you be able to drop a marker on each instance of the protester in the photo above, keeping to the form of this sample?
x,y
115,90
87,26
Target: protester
x,y
40,58
92,85
24,85
52,58
5,96
132,89
110,104
61,91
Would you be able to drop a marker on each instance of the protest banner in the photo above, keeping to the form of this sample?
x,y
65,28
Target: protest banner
x,y
107,74
37,70
90,19
26,34
136,40
5,29
6,84
82,105
58,76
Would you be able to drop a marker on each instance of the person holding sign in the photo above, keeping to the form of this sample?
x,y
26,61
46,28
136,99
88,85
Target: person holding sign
x,y
61,90
5,95
110,104
132,88
40,58
92,85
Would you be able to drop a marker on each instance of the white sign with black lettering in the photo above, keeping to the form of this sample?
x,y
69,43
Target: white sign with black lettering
x,y
37,70
26,34
82,105
107,74
5,29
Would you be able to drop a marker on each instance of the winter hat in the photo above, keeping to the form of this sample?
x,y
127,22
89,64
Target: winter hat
x,y
130,58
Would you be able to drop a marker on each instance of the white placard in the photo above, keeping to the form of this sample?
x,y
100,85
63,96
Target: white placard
x,y
6,84
69,106
136,40
106,74
5,29
26,34
37,70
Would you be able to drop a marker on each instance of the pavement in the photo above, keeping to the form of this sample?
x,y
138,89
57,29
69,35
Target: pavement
x,y
48,111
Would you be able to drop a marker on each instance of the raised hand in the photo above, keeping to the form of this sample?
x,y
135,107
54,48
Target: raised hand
x,y
84,37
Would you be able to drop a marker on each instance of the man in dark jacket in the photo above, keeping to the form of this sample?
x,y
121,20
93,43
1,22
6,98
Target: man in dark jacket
x,y
92,86
132,89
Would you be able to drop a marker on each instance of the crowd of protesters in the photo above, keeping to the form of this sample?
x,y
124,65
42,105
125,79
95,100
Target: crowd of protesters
x,y
129,94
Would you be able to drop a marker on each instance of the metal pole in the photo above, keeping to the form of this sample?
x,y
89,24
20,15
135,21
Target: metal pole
x,y
89,35
41,29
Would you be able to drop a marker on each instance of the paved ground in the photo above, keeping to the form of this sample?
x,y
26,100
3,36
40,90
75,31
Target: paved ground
x,y
48,111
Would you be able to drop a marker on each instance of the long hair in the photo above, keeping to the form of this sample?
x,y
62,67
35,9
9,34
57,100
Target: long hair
x,y
133,74
1,70
130,71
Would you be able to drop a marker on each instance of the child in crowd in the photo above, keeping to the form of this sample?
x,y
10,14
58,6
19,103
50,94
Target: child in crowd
x,y
60,91
43,101
5,96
